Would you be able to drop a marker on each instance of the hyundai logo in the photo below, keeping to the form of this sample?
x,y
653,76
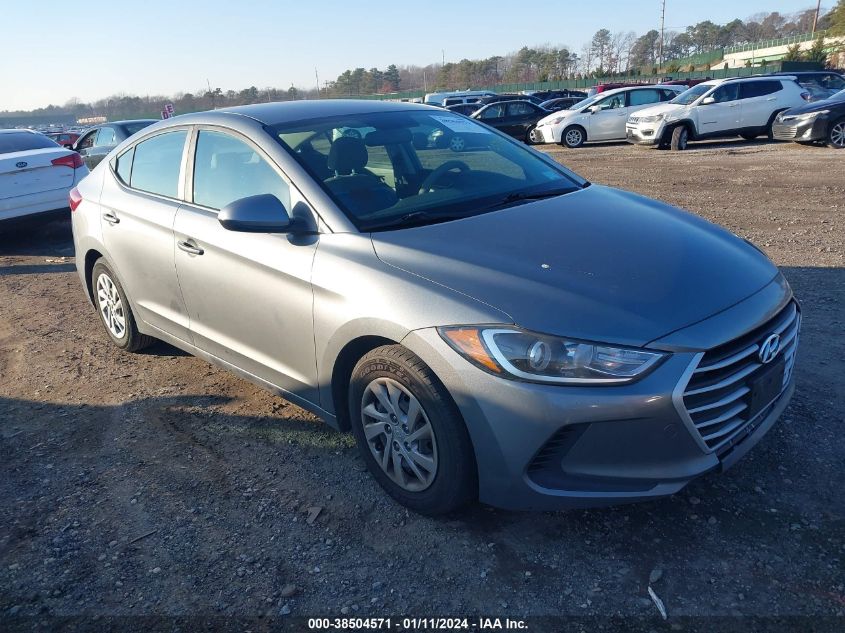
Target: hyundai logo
x,y
21,164
769,349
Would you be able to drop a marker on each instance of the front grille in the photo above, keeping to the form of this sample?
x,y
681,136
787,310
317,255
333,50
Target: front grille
x,y
633,120
785,132
718,394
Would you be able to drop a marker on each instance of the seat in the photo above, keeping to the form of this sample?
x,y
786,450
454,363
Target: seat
x,y
357,189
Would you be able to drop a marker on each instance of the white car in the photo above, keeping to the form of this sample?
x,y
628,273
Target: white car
x,y
36,174
743,106
601,117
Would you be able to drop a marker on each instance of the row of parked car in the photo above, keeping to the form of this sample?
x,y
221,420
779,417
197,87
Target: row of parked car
x,y
805,107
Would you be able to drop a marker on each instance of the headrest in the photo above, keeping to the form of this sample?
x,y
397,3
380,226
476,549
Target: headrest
x,y
347,154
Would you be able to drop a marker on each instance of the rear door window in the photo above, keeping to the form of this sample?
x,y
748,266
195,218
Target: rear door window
x,y
751,89
520,108
123,166
105,136
157,163
642,97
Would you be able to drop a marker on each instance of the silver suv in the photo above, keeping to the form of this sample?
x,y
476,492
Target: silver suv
x,y
487,323
745,107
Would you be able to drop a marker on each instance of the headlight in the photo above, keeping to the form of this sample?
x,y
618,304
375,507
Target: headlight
x,y
513,353
808,115
651,119
557,120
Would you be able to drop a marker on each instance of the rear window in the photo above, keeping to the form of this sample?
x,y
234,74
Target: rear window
x,y
24,141
136,126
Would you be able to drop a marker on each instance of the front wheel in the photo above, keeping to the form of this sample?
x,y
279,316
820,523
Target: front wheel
x,y
533,137
573,137
748,137
114,310
836,135
680,138
410,432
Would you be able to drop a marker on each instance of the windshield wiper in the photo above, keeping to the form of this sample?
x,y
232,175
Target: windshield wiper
x,y
527,196
415,218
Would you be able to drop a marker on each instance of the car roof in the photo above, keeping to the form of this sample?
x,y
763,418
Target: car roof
x,y
290,111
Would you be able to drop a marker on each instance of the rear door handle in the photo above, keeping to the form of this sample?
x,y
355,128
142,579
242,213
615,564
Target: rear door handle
x,y
111,218
192,249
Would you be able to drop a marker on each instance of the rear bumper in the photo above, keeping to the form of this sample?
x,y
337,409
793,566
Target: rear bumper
x,y
813,130
34,204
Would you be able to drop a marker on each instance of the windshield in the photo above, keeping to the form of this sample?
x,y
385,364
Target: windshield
x,y
390,169
688,96
587,102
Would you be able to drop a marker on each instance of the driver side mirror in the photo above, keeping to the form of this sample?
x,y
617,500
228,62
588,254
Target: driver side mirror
x,y
708,100
263,213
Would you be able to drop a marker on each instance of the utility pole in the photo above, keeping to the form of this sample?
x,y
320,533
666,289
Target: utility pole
x,y
443,56
317,77
816,16
210,92
662,22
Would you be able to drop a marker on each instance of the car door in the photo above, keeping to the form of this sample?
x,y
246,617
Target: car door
x,y
607,122
85,144
248,294
724,113
759,100
494,115
138,206
521,116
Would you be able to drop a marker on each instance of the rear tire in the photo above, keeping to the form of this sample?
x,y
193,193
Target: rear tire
x,y
836,134
431,464
115,311
680,138
573,137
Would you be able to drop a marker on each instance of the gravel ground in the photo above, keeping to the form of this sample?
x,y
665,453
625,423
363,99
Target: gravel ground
x,y
156,484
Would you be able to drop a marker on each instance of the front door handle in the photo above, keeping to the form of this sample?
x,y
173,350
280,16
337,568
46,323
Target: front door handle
x,y
111,218
192,249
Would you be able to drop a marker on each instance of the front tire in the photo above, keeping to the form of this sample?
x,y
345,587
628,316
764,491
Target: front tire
x,y
836,134
573,137
749,137
680,138
533,137
410,433
114,310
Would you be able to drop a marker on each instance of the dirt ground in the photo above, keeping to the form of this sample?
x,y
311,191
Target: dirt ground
x,y
156,484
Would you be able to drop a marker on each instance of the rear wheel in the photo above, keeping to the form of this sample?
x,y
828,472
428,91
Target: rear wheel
x,y
573,137
836,134
410,433
680,138
114,310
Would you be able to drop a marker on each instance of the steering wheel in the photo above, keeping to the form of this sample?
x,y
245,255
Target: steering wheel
x,y
437,174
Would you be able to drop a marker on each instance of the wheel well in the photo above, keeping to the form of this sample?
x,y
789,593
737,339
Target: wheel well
x,y
667,134
349,356
91,258
579,126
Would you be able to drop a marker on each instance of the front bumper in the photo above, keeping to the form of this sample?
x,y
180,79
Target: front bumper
x,y
546,447
546,133
643,134
797,130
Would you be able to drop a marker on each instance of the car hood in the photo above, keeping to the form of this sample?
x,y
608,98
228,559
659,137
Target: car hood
x,y
662,108
815,106
557,114
598,264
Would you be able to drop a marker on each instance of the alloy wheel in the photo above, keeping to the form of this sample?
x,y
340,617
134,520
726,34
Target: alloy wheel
x,y
399,434
111,306
573,137
837,135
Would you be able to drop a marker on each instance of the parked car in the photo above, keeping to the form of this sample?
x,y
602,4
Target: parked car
x,y
455,97
515,118
65,139
546,95
96,142
821,84
820,121
601,117
510,97
689,83
464,108
744,106
560,103
599,88
36,174
493,327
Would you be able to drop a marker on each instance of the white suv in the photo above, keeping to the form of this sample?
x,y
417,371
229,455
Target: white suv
x,y
744,107
601,117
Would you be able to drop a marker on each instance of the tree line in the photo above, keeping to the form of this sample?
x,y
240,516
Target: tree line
x,y
607,53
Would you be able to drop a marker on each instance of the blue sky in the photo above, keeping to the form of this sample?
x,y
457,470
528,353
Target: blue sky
x,y
53,50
